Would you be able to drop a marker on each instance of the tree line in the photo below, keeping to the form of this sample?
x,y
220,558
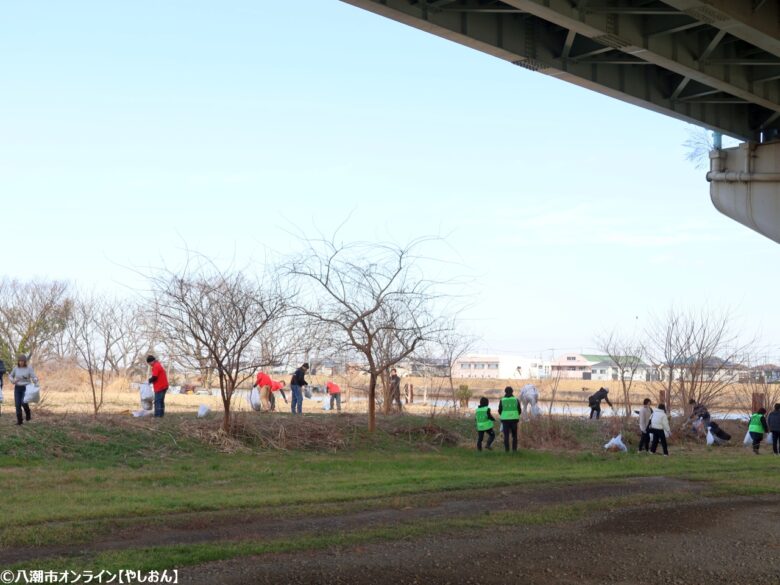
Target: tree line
x,y
371,302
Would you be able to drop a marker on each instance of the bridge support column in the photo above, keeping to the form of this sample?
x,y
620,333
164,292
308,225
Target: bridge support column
x,y
745,185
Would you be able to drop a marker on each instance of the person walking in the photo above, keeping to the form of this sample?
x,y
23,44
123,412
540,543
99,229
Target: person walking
x,y
395,390
758,426
484,424
773,422
159,382
594,401
509,409
297,382
645,413
659,429
20,377
335,395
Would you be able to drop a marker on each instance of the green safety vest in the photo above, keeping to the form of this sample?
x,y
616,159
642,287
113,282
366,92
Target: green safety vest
x,y
755,424
483,422
510,408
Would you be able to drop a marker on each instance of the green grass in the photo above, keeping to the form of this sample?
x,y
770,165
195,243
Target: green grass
x,y
77,482
162,557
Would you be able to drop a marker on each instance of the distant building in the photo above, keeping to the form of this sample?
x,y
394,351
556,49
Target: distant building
x,y
609,370
576,366
500,367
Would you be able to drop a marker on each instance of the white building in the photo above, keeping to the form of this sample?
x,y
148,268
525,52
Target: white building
x,y
500,367
609,370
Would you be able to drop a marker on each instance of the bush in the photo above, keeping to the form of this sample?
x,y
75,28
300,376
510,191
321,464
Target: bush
x,y
463,395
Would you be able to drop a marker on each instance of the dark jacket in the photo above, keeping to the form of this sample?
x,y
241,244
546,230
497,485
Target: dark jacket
x,y
594,401
773,420
700,411
299,378
395,385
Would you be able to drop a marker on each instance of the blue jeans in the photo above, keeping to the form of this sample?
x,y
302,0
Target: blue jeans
x,y
335,398
296,404
20,403
159,403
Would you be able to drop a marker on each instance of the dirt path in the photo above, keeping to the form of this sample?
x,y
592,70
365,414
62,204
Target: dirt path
x,y
720,542
248,525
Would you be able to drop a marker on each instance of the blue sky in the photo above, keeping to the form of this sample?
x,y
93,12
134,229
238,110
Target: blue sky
x,y
129,129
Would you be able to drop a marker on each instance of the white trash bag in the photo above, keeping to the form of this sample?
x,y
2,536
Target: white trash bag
x,y
203,411
254,399
147,392
748,440
307,392
616,442
1,395
140,413
326,403
32,394
710,438
768,438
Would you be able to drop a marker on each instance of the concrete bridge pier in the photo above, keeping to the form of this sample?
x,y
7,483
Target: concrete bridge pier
x,y
745,185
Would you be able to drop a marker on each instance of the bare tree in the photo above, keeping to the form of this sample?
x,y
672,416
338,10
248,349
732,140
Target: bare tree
x,y
374,296
223,316
699,355
453,345
757,380
32,315
95,333
138,327
698,145
627,357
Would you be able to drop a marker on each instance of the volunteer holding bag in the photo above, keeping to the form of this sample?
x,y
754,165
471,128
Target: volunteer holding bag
x,y
159,381
20,377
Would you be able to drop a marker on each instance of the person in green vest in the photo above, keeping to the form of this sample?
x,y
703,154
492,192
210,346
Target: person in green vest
x,y
758,426
484,424
509,409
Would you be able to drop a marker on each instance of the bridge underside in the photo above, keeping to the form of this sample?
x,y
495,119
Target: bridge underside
x,y
714,63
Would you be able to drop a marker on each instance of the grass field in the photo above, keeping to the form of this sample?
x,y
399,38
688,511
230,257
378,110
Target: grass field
x,y
73,480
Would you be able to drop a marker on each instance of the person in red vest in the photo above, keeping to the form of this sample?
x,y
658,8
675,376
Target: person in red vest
x,y
335,395
159,381
277,387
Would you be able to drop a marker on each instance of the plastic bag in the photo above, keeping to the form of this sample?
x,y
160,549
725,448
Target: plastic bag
x,y
307,392
203,411
32,394
147,404
768,438
710,438
140,413
748,440
616,443
254,399
147,392
326,403
1,395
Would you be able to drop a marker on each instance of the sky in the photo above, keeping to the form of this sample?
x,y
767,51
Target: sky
x,y
130,131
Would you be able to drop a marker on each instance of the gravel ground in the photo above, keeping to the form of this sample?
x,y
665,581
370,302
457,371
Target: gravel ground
x,y
712,542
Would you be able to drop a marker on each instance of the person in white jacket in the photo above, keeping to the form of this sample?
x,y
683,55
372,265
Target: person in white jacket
x,y
659,429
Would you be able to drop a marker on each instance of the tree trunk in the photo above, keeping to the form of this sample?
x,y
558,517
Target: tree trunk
x,y
387,404
372,403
